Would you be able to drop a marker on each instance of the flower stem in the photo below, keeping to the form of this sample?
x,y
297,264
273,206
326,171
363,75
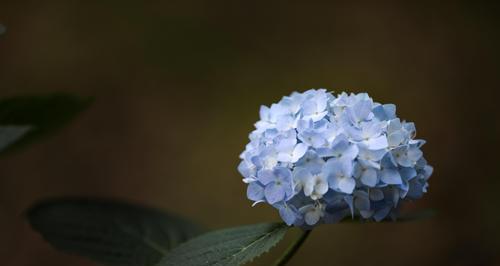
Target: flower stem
x,y
292,249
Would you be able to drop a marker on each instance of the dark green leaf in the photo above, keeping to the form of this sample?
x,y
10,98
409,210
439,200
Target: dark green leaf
x,y
11,134
109,232
43,114
233,246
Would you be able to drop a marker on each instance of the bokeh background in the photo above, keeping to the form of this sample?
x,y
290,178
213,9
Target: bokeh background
x,y
178,85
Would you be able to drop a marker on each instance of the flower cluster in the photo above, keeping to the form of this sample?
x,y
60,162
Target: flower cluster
x,y
319,158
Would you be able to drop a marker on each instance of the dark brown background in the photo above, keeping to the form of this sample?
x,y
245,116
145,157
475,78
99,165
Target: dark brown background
x,y
178,87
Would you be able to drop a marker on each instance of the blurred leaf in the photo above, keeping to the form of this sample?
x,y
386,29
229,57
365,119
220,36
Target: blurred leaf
x,y
11,134
44,114
109,232
233,246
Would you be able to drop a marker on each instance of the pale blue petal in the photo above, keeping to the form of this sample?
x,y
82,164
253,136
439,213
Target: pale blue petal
x,y
407,173
309,186
245,169
332,167
283,174
369,164
333,182
400,154
312,138
395,139
377,143
369,177
304,125
298,152
361,110
301,174
321,99
373,129
309,107
394,125
347,168
288,214
339,144
277,111
346,185
417,142
414,154
404,161
274,193
390,176
428,171
322,188
385,112
379,113
353,132
350,152
266,176
286,145
371,155
255,191
293,105
256,160
286,122
421,163
325,152
264,113
409,128
388,161
285,157
358,169
319,116
390,111
289,190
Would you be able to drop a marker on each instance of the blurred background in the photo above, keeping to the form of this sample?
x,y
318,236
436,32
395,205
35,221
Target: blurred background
x,y
178,85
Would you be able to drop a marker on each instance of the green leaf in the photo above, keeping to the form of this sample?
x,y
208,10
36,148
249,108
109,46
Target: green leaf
x,y
110,232
11,134
233,246
43,114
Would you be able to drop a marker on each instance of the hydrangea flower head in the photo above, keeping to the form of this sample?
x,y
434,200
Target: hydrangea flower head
x,y
319,158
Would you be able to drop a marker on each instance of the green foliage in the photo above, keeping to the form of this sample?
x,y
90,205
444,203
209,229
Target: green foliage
x,y
41,114
11,134
110,232
121,234
234,246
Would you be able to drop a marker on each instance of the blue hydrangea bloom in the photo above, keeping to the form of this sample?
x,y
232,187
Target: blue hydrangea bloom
x,y
319,158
